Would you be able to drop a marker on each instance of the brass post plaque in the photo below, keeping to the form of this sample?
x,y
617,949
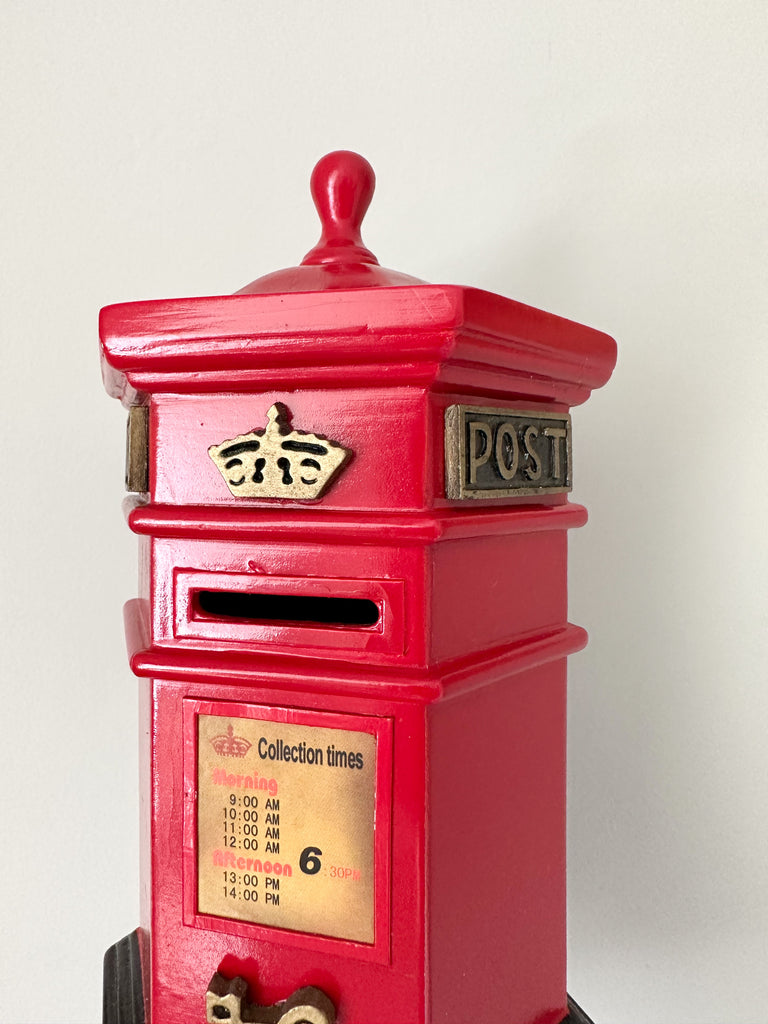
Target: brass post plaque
x,y
285,824
504,453
137,450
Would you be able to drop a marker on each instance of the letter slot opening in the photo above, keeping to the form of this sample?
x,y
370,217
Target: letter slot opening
x,y
286,609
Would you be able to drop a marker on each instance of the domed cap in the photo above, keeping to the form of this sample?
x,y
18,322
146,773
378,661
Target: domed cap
x,y
342,185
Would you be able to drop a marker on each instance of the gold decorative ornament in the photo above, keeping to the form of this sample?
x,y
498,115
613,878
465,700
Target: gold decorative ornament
x,y
278,462
226,1002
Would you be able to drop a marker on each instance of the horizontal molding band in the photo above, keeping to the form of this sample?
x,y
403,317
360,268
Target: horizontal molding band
x,y
290,673
344,527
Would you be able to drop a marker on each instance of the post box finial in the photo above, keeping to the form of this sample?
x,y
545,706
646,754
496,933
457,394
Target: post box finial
x,y
342,185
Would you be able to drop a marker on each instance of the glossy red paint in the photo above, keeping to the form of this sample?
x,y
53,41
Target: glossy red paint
x,y
464,672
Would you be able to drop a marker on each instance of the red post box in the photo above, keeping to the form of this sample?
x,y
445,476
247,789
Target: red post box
x,y
351,637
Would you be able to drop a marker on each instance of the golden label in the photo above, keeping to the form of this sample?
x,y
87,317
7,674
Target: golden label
x,y
285,824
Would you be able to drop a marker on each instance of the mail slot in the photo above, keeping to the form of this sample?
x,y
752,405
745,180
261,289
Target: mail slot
x,y
287,613
290,609
351,490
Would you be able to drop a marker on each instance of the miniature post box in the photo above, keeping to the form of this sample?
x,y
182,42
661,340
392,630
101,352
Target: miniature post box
x,y
352,504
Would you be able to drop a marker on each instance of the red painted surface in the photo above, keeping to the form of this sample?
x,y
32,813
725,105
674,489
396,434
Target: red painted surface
x,y
464,671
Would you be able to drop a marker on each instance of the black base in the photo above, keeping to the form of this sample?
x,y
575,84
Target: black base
x,y
124,996
123,993
575,1014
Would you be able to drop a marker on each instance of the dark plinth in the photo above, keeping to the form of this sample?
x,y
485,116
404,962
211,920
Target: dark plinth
x,y
123,995
575,1014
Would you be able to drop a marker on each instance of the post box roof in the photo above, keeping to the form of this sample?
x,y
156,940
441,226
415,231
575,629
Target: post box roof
x,y
340,309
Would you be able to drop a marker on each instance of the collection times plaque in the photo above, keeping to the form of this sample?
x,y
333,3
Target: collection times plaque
x,y
285,824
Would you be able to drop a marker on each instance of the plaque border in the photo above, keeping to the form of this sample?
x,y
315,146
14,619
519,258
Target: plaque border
x,y
455,453
379,951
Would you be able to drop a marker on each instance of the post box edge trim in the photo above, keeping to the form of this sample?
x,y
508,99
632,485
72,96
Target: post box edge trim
x,y
341,527
274,672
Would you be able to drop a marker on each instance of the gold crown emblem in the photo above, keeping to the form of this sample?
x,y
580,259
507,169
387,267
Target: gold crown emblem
x,y
278,462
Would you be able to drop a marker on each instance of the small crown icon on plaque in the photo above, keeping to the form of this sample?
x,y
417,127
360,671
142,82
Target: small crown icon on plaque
x,y
229,745
278,462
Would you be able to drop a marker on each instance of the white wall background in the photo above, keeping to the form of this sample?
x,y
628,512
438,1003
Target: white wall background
x,y
603,160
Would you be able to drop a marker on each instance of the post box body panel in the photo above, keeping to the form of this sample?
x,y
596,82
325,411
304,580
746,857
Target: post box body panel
x,y
395,437
511,586
496,850
376,981
183,568
453,842
385,429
